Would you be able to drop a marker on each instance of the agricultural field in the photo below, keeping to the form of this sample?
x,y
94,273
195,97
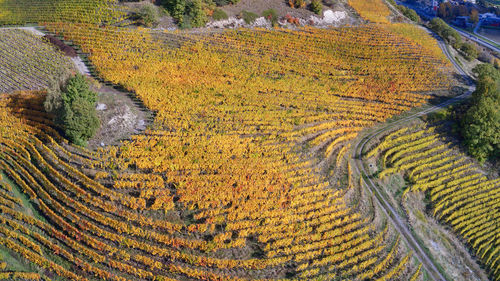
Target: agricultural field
x,y
28,62
461,194
20,12
244,171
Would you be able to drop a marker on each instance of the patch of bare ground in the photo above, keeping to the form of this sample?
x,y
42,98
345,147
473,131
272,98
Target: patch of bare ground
x,y
120,117
444,246
282,8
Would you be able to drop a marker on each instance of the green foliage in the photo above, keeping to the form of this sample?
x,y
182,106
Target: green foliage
x,y
409,13
80,121
219,14
481,123
316,7
249,17
149,15
194,10
271,15
469,51
176,8
188,13
446,32
440,115
73,105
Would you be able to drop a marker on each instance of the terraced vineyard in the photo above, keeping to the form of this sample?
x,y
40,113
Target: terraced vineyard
x,y
372,10
19,12
29,63
461,194
243,173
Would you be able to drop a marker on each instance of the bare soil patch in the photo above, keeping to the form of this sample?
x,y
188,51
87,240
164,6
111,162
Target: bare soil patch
x,y
120,117
283,9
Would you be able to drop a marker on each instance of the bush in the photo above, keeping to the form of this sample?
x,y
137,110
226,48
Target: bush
x,y
409,13
469,51
149,15
271,16
176,8
316,7
481,123
249,17
194,11
73,106
448,34
219,15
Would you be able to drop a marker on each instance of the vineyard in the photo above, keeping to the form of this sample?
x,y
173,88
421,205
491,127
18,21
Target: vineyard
x,y
372,10
19,12
462,196
28,63
243,174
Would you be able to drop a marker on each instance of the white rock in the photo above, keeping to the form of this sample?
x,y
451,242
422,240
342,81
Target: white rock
x,y
230,22
330,16
101,106
261,22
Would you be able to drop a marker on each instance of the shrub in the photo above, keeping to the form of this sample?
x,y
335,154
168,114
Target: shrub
x,y
271,15
481,123
176,9
73,106
448,34
316,7
149,15
194,10
409,13
249,17
469,51
219,14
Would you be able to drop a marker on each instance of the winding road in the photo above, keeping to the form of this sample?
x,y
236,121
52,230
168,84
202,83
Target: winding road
x,y
359,169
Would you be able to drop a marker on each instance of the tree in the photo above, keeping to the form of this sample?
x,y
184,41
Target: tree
x,y
176,8
149,15
445,10
469,51
73,105
448,34
316,7
79,120
195,13
474,16
481,123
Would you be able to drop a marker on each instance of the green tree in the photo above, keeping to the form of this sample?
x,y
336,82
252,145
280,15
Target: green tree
x,y
194,11
73,105
316,7
79,120
149,15
448,34
469,51
481,123
176,8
